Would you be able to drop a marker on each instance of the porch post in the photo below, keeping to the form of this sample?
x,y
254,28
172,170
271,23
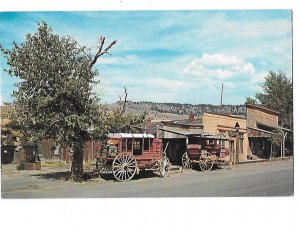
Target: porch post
x,y
283,143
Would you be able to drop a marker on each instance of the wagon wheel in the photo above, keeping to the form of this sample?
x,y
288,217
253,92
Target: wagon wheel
x,y
186,162
232,161
101,166
205,162
164,166
124,167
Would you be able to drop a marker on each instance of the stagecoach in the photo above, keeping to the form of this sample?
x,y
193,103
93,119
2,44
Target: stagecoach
x,y
126,154
207,156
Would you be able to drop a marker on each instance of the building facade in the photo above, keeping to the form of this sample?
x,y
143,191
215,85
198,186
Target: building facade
x,y
206,129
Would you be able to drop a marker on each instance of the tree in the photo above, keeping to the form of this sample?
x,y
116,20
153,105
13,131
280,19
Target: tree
x,y
276,139
278,94
250,100
55,99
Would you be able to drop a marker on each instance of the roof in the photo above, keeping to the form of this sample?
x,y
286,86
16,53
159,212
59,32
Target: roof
x,y
152,127
187,122
260,130
201,134
273,127
129,135
262,108
184,123
243,117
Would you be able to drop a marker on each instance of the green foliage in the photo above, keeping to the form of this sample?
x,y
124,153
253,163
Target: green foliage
x,y
277,137
7,141
54,98
21,165
126,123
250,100
278,94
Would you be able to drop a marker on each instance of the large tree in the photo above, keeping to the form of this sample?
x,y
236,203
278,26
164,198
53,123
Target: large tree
x,y
277,94
54,98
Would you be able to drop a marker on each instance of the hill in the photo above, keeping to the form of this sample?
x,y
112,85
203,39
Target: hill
x,y
180,109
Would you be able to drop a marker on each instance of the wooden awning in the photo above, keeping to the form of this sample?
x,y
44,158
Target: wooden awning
x,y
255,132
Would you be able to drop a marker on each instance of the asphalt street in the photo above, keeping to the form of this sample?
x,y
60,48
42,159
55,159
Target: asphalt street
x,y
274,178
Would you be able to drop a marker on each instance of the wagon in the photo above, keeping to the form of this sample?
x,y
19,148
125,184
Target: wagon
x,y
207,157
126,154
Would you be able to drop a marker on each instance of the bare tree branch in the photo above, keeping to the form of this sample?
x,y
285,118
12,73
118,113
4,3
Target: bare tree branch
x,y
125,100
100,52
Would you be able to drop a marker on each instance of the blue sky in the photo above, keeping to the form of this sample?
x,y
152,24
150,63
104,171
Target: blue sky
x,y
170,56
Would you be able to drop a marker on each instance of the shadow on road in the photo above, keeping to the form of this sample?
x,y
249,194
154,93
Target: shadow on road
x,y
54,175
142,175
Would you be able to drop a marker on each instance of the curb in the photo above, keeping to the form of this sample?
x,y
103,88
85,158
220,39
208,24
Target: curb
x,y
266,160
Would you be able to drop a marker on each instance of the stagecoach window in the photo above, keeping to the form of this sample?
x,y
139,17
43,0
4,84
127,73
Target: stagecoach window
x,y
146,144
129,144
222,143
137,146
124,144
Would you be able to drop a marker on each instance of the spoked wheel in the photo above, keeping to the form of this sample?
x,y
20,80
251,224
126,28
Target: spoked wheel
x,y
186,162
124,167
102,167
164,167
205,162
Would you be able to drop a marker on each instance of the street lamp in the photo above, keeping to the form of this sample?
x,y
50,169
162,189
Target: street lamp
x,y
237,129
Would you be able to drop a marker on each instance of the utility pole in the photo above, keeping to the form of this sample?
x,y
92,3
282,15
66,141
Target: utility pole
x,y
221,96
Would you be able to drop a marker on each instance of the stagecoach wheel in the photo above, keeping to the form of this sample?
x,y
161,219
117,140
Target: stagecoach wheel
x,y
164,166
124,167
205,162
186,162
101,166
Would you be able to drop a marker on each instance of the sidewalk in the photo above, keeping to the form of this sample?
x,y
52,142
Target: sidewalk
x,y
266,160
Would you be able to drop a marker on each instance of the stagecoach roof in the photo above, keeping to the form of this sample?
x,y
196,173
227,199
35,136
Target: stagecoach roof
x,y
129,135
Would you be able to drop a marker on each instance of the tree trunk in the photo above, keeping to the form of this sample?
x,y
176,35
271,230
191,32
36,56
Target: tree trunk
x,y
77,162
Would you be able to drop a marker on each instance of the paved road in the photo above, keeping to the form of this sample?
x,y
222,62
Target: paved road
x,y
257,179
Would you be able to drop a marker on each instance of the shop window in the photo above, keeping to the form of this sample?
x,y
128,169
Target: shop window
x,y
241,145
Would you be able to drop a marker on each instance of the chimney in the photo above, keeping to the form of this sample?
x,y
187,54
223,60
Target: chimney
x,y
191,117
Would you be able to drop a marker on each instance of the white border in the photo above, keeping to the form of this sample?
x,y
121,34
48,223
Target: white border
x,y
172,214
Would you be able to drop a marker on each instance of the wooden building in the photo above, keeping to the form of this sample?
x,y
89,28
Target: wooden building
x,y
205,129
261,124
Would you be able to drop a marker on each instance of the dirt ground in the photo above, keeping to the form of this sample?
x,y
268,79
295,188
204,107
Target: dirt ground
x,y
51,176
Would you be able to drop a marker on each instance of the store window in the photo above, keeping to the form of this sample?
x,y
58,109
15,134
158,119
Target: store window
x,y
241,145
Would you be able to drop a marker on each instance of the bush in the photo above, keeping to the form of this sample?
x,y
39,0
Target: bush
x,y
21,166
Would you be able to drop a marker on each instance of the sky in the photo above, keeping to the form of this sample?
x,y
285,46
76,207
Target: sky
x,y
170,56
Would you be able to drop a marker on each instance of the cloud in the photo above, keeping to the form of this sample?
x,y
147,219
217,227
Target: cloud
x,y
128,59
218,66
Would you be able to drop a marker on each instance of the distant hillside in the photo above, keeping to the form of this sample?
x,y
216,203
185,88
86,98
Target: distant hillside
x,y
181,109
166,110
